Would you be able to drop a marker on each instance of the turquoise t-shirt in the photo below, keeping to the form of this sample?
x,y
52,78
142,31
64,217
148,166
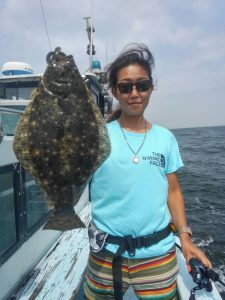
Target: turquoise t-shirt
x,y
131,199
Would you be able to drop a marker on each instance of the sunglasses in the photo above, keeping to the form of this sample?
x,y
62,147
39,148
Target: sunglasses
x,y
127,87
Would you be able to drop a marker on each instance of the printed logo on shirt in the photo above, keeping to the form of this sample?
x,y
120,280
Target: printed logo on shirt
x,y
156,159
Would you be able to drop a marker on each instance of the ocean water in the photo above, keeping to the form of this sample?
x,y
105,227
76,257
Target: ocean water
x,y
202,181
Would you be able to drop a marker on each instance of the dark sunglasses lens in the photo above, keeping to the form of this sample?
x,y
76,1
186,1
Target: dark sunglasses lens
x,y
125,88
143,86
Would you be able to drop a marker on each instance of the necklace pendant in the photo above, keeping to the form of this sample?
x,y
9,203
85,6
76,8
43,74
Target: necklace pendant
x,y
135,160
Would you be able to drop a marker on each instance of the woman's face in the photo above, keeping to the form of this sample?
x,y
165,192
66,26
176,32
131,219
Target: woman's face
x,y
134,102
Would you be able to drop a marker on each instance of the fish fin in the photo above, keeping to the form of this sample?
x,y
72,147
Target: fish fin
x,y
63,222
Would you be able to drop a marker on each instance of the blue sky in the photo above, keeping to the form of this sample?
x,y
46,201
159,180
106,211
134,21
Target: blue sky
x,y
187,38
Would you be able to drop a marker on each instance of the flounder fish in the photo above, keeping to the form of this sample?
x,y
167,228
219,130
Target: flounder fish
x,y
61,139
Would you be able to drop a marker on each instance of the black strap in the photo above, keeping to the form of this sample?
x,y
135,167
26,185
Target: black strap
x,y
129,244
117,277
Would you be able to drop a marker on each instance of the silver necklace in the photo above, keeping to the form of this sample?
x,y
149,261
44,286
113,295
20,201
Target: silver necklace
x,y
135,159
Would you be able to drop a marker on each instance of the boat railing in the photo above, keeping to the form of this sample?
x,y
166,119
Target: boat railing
x,y
10,110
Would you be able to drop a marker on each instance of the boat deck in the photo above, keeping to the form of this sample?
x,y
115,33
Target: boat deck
x,y
59,274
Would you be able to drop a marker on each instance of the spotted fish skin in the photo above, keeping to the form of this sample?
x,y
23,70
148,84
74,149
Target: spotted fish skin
x,y
61,139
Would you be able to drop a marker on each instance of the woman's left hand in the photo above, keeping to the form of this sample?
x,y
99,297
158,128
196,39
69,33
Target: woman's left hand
x,y
189,251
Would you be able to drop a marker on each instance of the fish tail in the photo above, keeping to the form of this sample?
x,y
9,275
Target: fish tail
x,y
63,222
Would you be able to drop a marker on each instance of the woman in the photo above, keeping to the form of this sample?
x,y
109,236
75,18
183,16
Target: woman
x,y
135,193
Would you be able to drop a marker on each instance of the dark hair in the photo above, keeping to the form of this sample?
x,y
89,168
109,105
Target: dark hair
x,y
132,54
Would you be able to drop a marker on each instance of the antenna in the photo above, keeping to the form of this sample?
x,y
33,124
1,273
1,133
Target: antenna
x,y
46,28
91,46
90,29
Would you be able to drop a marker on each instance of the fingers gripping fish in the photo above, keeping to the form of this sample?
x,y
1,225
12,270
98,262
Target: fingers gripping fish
x,y
61,139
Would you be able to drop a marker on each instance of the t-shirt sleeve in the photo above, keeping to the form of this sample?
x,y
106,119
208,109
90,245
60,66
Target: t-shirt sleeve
x,y
174,161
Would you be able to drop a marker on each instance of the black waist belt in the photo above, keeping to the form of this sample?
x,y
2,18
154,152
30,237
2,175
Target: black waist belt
x,y
130,244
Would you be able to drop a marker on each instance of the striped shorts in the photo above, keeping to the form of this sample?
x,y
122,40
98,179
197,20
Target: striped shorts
x,y
151,278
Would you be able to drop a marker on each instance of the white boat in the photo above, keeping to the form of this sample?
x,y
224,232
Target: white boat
x,y
43,264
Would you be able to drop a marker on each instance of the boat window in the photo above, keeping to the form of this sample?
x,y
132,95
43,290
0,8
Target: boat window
x,y
25,93
10,119
2,94
23,209
14,90
7,211
36,205
11,93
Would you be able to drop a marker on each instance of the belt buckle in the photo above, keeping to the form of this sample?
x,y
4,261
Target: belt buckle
x,y
130,245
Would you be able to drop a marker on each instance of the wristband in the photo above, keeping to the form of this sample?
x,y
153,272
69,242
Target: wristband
x,y
185,229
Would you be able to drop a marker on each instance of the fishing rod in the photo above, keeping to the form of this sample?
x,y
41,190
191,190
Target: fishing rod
x,y
202,276
214,276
